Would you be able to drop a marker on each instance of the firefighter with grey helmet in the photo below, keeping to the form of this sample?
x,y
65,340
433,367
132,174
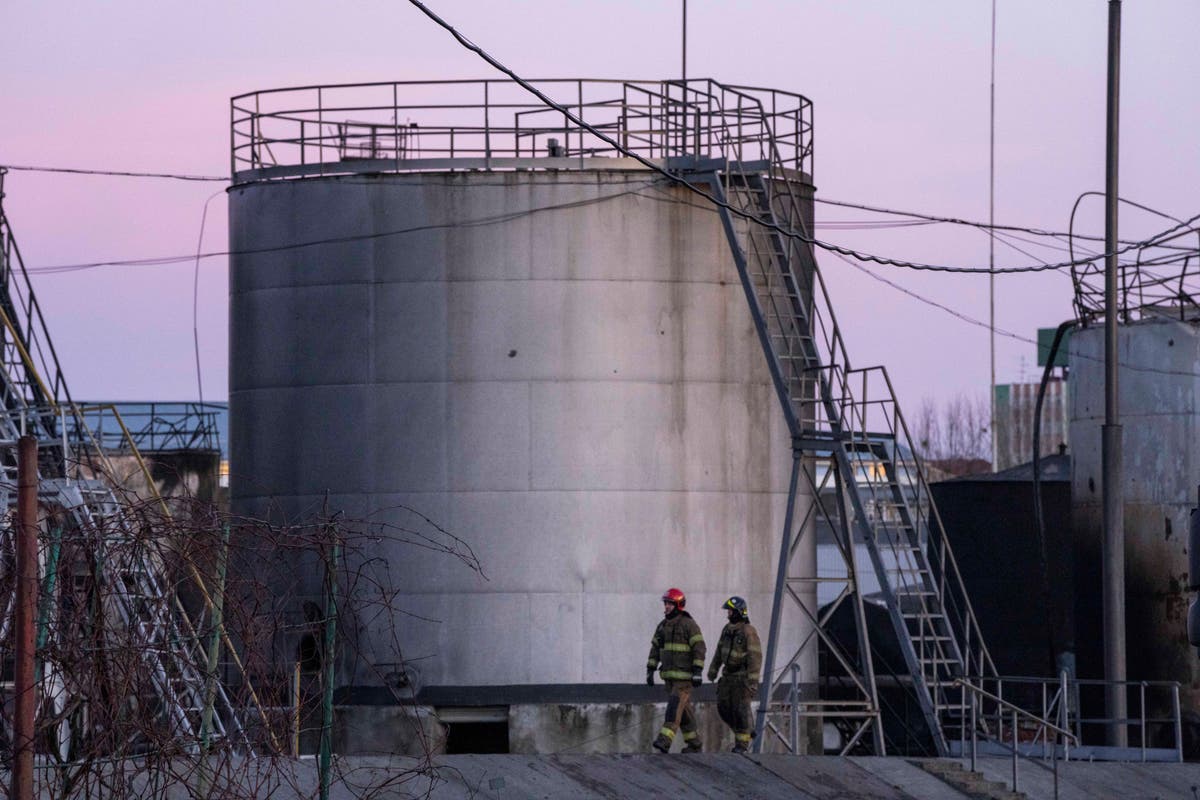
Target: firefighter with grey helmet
x,y
738,659
677,652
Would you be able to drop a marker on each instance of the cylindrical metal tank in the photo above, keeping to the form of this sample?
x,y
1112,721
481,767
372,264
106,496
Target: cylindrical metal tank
x,y
1159,387
558,366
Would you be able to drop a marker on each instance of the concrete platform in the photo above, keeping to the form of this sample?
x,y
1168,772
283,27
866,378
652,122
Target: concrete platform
x,y
722,775
711,776
1082,780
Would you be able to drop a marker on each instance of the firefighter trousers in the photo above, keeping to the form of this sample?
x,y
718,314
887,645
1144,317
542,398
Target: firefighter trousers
x,y
734,694
680,715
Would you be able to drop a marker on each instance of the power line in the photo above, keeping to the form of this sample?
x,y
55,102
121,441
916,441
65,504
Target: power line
x,y
1009,334
916,219
828,246
1062,235
482,221
115,173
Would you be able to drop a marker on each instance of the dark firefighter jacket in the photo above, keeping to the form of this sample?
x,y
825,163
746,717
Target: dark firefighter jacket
x,y
739,652
679,646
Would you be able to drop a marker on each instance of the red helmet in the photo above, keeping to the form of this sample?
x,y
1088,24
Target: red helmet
x,y
675,596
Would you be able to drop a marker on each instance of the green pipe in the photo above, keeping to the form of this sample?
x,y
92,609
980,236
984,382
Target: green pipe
x,y
326,756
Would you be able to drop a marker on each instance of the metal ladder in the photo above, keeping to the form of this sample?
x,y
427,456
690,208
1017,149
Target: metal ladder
x,y
132,586
851,419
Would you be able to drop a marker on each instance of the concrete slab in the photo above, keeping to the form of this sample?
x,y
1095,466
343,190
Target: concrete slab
x,y
1083,780
601,777
830,778
713,776
907,777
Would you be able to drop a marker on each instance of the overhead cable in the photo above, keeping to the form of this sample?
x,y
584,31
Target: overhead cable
x,y
827,246
481,221
115,173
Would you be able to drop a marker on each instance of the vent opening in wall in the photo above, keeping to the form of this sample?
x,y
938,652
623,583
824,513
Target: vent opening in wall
x,y
475,730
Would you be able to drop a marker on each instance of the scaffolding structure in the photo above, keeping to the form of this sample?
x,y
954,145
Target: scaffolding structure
x,y
99,578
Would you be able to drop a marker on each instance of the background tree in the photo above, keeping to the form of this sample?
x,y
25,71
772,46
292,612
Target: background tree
x,y
955,438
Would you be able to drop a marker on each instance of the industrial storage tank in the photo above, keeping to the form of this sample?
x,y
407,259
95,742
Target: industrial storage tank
x,y
1159,356
448,304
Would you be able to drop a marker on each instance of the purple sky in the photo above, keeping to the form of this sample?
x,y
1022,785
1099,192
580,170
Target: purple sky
x,y
901,103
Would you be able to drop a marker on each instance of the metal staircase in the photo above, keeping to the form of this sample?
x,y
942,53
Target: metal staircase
x,y
846,426
126,571
153,626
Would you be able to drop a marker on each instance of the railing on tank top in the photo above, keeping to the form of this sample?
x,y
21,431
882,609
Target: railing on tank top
x,y
496,124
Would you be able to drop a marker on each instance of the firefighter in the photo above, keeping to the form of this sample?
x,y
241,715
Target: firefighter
x,y
678,646
740,653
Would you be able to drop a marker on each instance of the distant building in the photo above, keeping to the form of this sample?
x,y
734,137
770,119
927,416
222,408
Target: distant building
x,y
1015,405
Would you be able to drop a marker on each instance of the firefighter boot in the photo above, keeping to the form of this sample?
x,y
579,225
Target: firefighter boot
x,y
662,743
691,742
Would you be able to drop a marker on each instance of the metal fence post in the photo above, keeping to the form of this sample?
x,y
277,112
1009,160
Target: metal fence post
x,y
974,736
962,720
487,127
1056,772
1178,722
794,697
1142,714
1064,712
1014,750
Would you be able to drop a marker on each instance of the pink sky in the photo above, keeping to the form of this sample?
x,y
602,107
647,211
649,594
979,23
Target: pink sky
x,y
901,103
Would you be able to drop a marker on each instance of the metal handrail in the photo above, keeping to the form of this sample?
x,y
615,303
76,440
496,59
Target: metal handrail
x,y
410,125
1016,712
156,426
1070,696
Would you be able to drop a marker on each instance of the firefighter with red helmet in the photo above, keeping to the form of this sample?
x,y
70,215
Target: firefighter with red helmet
x,y
677,652
739,655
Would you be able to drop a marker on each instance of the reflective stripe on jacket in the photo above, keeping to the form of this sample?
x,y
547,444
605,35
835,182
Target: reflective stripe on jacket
x,y
678,646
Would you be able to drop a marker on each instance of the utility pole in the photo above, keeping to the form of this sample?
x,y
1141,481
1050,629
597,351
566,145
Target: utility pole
x,y
1113,569
24,688
992,248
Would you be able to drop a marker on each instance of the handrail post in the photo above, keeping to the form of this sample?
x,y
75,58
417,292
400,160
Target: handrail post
x,y
1045,715
962,720
1142,714
1000,708
1056,735
1014,750
1178,722
974,735
794,696
1064,712
487,127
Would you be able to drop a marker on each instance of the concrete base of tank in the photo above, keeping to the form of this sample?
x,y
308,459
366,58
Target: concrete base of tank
x,y
623,728
592,724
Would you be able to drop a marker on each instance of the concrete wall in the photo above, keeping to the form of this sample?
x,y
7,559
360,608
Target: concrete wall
x,y
577,392
618,728
1159,388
